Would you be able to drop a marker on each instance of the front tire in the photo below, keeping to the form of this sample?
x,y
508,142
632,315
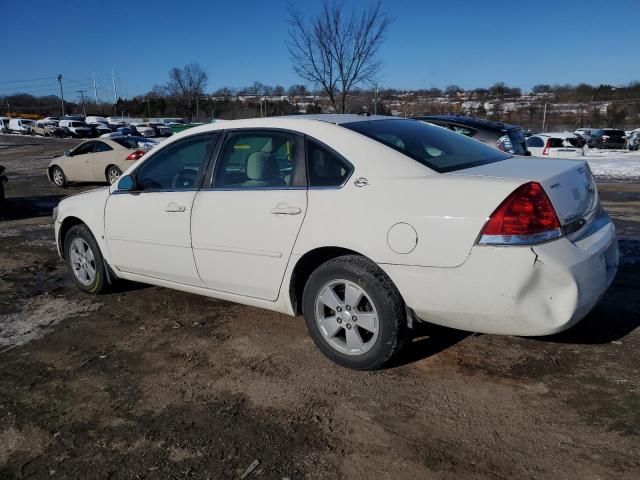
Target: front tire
x,y
354,313
58,177
113,174
84,260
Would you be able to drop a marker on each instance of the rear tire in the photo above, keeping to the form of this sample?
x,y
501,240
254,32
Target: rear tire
x,y
58,177
84,260
113,174
354,313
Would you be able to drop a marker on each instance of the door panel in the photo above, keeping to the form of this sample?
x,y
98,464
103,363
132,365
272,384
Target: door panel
x,y
242,239
148,233
148,230
79,167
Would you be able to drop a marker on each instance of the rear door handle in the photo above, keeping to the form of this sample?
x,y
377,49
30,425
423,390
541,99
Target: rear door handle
x,y
174,207
283,209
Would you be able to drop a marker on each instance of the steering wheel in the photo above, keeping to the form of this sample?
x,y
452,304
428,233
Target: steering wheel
x,y
185,178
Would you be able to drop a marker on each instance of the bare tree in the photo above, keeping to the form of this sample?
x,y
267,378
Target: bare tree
x,y
337,50
187,84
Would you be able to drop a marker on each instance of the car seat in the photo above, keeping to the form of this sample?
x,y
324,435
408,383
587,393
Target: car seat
x,y
263,171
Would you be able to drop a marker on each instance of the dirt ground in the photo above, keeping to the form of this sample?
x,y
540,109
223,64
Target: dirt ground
x,y
151,383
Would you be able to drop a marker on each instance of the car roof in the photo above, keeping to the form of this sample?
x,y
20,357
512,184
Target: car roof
x,y
471,121
341,118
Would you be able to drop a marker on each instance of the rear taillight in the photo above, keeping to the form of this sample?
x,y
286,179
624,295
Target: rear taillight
x,y
546,147
135,155
525,217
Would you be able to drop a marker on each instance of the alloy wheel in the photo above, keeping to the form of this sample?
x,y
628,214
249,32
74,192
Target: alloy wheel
x,y
346,317
83,262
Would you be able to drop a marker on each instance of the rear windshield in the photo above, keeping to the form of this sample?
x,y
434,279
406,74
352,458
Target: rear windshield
x,y
437,148
133,142
614,133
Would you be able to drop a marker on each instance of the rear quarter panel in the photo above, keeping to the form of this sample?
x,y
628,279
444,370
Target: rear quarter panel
x,y
447,214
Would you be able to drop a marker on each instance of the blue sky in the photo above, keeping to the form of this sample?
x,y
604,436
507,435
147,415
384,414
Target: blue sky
x,y
430,44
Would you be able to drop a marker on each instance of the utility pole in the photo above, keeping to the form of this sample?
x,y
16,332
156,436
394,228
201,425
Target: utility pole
x,y
61,93
148,108
95,88
197,108
84,110
544,116
375,100
113,79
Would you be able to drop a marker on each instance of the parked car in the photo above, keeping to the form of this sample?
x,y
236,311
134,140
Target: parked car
x,y
160,129
91,119
77,128
508,138
22,126
143,129
94,161
554,146
633,142
365,225
607,138
4,125
98,129
50,129
50,120
130,130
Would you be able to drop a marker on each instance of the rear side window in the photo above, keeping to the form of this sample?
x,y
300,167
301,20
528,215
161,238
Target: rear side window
x,y
437,148
556,142
102,147
325,168
261,159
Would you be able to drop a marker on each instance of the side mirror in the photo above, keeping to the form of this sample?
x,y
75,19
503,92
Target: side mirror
x,y
127,183
67,153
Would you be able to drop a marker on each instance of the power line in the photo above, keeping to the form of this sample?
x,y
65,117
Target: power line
x,y
28,80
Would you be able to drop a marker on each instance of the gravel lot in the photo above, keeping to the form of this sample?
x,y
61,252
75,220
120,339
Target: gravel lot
x,y
151,383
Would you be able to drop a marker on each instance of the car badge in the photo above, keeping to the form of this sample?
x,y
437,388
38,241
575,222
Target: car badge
x,y
361,182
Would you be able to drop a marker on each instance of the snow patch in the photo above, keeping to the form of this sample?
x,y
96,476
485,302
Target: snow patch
x,y
39,316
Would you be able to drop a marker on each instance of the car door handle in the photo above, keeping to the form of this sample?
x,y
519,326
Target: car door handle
x,y
174,207
286,210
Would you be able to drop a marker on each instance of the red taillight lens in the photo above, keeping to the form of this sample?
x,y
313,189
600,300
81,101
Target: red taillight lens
x,y
524,217
546,147
135,155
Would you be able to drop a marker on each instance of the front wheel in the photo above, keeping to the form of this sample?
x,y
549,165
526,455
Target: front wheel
x,y
113,174
58,177
84,260
354,313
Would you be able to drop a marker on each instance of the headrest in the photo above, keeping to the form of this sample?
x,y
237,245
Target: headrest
x,y
262,166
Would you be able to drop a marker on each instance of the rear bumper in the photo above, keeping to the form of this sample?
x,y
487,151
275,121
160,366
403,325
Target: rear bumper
x,y
529,291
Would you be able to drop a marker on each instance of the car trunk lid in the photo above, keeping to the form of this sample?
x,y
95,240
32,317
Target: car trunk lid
x,y
569,184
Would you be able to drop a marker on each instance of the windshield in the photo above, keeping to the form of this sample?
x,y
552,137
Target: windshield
x,y
437,148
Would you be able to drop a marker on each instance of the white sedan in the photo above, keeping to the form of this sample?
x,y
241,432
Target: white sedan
x,y
365,225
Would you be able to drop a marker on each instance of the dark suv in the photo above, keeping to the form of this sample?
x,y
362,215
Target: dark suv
x,y
607,138
508,138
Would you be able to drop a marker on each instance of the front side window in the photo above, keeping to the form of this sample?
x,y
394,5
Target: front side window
x,y
326,169
261,160
437,148
84,149
176,167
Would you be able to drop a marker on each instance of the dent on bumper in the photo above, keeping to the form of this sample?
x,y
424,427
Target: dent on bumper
x,y
536,290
